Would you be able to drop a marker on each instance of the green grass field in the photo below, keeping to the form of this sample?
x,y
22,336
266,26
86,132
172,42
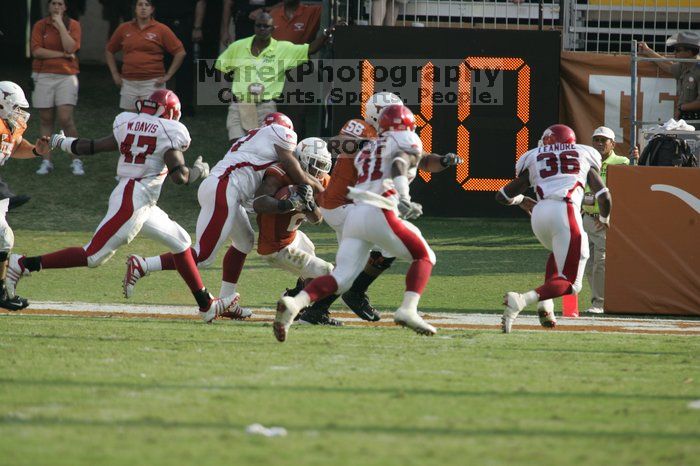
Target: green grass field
x,y
88,391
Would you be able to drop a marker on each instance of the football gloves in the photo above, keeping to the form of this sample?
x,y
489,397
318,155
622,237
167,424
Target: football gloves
x,y
409,210
202,166
450,160
303,198
56,140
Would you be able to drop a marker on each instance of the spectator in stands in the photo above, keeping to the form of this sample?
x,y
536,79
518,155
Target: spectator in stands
x,y
243,13
143,42
253,91
296,23
185,18
55,40
115,12
603,142
687,45
384,12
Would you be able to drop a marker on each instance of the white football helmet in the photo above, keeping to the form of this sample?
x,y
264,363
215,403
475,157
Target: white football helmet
x,y
12,101
314,157
376,103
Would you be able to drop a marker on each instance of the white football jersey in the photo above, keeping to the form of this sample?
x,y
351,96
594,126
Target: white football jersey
x,y
143,141
246,161
559,171
374,162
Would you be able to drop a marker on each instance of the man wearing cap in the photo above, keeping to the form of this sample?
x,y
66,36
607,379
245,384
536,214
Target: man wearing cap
x,y
603,142
685,44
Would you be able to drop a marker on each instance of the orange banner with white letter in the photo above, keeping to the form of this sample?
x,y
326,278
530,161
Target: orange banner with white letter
x,y
596,91
653,246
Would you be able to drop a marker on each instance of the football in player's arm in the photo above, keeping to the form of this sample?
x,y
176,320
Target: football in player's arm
x,y
174,159
512,194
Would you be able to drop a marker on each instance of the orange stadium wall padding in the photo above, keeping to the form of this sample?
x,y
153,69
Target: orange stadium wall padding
x,y
595,91
653,246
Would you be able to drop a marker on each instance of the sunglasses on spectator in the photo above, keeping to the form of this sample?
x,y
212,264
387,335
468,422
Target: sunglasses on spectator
x,y
263,26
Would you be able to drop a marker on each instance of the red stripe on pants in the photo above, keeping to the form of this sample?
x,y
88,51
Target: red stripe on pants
x,y
111,226
212,232
419,272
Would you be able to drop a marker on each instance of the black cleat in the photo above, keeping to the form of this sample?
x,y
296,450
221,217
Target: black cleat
x,y
315,316
13,304
359,304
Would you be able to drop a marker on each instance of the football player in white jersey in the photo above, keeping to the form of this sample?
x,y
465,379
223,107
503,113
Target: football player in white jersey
x,y
151,145
381,194
558,170
223,196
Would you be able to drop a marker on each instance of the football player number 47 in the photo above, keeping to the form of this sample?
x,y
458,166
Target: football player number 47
x,y
147,142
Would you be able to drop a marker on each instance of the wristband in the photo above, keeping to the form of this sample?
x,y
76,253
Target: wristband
x,y
67,145
285,205
602,191
401,186
604,220
512,200
175,168
36,154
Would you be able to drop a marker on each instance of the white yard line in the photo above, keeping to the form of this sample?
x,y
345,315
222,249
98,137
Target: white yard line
x,y
438,319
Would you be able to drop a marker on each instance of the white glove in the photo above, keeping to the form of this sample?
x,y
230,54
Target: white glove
x,y
202,166
450,160
303,198
56,140
409,210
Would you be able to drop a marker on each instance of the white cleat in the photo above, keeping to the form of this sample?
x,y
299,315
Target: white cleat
x,y
514,302
410,318
594,310
136,269
287,310
15,271
217,307
236,312
545,311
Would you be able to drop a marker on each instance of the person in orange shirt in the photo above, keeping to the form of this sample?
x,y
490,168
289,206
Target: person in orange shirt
x,y
13,123
280,242
296,22
143,42
55,40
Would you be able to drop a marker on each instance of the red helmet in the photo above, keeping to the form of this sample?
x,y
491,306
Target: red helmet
x,y
396,118
561,134
162,103
278,118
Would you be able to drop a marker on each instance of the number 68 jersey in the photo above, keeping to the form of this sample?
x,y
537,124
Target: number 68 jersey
x,y
557,171
143,141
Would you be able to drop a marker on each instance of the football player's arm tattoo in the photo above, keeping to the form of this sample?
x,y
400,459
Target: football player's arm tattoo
x,y
294,170
264,201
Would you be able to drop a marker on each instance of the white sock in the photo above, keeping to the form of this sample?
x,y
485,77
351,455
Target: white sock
x,y
410,300
153,264
302,299
531,297
227,289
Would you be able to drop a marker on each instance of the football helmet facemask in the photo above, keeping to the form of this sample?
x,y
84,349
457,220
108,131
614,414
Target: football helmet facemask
x,y
314,157
12,101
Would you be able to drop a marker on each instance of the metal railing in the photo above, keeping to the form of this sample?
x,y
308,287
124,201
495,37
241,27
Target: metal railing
x,y
605,26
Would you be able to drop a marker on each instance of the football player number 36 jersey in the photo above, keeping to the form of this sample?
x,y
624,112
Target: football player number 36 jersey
x,y
143,141
557,170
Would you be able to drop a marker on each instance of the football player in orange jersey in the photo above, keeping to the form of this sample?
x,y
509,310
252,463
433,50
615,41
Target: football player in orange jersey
x,y
353,135
282,208
13,123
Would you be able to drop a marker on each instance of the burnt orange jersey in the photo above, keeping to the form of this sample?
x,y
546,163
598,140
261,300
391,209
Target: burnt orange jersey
x,y
9,140
277,231
344,173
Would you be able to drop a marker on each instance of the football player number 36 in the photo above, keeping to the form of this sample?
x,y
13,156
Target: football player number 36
x,y
566,163
147,142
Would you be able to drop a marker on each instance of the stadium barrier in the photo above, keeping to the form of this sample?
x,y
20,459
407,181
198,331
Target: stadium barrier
x,y
653,251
